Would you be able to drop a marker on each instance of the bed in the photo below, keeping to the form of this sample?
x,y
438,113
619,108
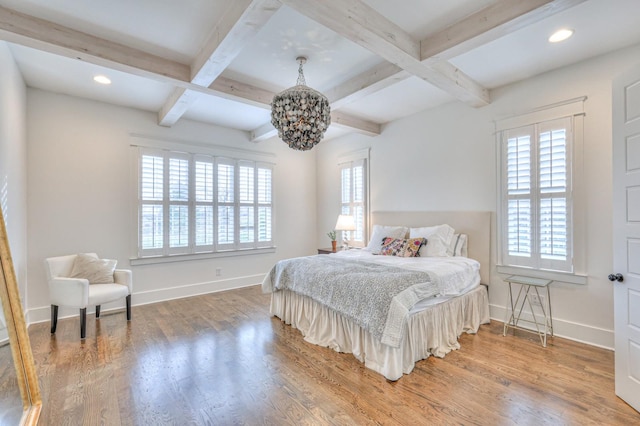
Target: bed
x,y
424,318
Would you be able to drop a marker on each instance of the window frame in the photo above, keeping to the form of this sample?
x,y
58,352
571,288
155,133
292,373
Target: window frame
x,y
574,272
193,250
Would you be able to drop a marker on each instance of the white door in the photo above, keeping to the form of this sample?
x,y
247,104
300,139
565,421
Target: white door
x,y
626,234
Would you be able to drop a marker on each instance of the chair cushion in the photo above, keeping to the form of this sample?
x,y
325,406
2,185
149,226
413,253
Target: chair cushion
x,y
105,293
97,271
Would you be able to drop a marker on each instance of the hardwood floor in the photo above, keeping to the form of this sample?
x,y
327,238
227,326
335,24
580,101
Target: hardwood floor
x,y
221,359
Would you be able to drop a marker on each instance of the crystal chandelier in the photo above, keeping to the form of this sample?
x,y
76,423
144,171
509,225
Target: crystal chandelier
x,y
300,114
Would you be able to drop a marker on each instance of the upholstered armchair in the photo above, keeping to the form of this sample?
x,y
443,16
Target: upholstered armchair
x,y
85,280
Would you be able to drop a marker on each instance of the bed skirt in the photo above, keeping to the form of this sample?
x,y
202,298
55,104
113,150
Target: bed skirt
x,y
434,331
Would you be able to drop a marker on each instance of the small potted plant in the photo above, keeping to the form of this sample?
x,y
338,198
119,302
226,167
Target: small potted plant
x,y
332,236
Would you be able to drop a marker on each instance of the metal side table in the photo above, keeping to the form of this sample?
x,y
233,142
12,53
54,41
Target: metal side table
x,y
529,288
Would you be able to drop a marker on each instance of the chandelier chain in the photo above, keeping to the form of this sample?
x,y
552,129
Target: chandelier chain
x,y
301,80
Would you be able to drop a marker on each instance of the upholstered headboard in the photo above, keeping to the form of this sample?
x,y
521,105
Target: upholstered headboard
x,y
477,225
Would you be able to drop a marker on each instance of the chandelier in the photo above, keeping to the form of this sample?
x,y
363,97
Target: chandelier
x,y
300,114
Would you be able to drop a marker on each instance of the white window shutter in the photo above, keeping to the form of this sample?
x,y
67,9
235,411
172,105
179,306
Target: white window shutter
x,y
197,203
536,196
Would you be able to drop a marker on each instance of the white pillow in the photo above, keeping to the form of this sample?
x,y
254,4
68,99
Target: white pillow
x,y
97,271
458,245
438,239
380,232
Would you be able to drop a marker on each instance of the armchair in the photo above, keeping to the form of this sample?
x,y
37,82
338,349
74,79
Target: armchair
x,y
79,293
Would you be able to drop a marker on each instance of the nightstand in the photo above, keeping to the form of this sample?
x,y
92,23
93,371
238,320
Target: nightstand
x,y
325,250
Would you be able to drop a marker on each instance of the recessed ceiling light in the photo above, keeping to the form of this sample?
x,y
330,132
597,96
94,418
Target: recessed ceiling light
x,y
102,79
560,35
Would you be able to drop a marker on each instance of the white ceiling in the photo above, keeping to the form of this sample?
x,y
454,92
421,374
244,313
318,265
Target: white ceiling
x,y
178,31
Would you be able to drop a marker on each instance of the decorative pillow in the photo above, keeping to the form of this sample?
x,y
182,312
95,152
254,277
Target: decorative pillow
x,y
381,232
401,247
97,271
458,245
438,239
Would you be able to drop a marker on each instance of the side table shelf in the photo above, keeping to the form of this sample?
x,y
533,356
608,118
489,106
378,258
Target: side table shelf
x,y
529,287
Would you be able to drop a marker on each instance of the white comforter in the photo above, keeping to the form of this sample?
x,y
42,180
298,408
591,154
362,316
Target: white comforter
x,y
452,275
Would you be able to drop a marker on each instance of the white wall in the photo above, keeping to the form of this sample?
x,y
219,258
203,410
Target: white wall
x,y
444,159
13,161
80,197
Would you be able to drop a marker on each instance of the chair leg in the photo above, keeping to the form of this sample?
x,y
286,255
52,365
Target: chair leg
x,y
128,307
54,318
83,322
97,311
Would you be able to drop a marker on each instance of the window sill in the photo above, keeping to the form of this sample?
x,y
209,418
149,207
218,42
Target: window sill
x,y
564,277
151,260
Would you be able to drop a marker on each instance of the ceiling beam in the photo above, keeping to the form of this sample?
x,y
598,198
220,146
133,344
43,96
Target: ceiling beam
x,y
264,132
361,24
240,22
480,28
489,24
360,125
47,36
370,81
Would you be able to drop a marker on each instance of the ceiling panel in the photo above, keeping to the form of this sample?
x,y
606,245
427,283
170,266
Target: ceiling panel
x,y
60,74
599,28
421,18
227,113
271,57
399,100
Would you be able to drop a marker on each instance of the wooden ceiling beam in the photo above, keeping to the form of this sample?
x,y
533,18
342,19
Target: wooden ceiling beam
x,y
480,28
235,28
370,81
47,36
361,24
487,25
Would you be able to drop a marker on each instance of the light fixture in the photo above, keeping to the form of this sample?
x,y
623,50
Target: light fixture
x,y
300,114
345,223
102,79
560,35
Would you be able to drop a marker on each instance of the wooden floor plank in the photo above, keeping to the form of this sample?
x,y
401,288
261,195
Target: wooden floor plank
x,y
221,359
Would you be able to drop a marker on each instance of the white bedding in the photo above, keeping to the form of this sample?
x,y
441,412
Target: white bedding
x,y
433,326
452,275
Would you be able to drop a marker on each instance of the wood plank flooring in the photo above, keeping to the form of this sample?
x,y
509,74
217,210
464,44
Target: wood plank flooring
x,y
220,359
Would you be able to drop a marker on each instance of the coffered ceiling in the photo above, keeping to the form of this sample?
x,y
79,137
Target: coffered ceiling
x,y
221,61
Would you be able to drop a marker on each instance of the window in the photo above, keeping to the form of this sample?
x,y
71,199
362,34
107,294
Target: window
x,y
193,203
354,195
536,188
541,193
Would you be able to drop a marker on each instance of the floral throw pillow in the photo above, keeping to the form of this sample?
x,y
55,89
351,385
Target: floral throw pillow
x,y
402,247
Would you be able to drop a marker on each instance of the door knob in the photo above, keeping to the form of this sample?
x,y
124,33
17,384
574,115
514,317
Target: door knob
x,y
616,277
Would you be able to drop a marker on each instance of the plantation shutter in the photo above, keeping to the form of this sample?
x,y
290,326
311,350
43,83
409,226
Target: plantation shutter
x,y
354,198
536,190
226,204
204,217
197,203
264,205
151,195
178,195
246,198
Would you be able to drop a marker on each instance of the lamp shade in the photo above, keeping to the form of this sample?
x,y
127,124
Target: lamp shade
x,y
345,222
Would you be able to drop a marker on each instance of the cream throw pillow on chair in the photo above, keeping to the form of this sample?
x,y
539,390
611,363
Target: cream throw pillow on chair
x,y
97,271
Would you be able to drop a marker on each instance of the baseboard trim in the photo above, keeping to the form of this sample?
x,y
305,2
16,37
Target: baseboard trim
x,y
42,314
570,330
